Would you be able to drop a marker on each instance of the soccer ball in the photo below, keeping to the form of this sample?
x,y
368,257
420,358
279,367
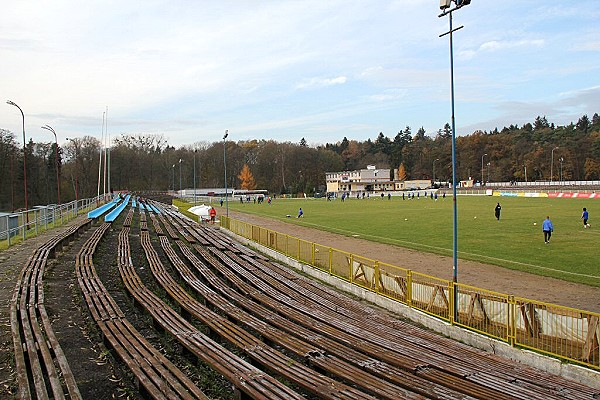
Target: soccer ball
x,y
535,223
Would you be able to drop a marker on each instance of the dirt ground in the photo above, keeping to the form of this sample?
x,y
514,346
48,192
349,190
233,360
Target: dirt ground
x,y
65,307
484,276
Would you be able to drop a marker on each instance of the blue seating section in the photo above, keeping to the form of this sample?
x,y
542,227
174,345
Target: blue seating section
x,y
115,213
95,213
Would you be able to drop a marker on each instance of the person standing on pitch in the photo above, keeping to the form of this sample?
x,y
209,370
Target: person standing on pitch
x,y
584,217
497,211
547,228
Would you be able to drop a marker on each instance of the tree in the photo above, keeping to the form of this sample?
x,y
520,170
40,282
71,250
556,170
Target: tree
x,y
247,178
401,172
583,124
303,142
540,123
592,169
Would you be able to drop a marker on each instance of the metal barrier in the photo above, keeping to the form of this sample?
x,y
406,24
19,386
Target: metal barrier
x,y
19,226
562,332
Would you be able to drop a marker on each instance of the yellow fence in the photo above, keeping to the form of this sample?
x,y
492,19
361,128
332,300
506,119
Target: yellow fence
x,y
563,332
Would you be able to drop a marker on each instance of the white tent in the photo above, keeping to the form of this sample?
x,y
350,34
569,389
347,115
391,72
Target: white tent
x,y
202,211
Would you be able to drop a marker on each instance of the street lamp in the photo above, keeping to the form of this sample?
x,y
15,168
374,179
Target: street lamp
x,y
49,128
482,168
225,171
24,162
446,10
437,159
552,164
488,165
76,174
561,162
180,192
195,151
173,185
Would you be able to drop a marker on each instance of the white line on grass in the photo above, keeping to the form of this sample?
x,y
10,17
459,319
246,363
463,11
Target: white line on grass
x,y
386,239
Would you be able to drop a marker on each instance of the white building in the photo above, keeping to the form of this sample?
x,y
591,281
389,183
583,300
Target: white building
x,y
363,180
370,180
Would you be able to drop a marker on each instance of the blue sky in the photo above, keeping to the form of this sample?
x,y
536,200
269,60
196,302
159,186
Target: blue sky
x,y
285,70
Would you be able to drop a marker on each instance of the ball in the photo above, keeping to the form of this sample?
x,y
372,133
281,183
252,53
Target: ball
x,y
535,223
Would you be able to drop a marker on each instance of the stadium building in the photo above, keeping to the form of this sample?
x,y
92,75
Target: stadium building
x,y
370,180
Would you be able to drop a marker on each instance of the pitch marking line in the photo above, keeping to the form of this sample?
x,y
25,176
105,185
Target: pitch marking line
x,y
460,252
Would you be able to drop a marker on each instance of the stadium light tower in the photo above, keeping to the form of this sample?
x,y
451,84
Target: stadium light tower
x,y
447,9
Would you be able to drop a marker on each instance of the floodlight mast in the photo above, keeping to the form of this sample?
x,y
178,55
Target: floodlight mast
x,y
445,6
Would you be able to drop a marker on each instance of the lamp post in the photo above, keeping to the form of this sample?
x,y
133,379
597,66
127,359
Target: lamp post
x,y
76,174
488,165
447,10
49,128
195,151
552,164
525,165
173,180
24,162
180,192
482,168
225,172
561,175
437,159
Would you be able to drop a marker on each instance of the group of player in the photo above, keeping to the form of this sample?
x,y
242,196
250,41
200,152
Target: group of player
x,y
547,226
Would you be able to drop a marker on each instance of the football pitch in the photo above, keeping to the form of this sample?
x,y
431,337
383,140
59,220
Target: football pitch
x,y
515,242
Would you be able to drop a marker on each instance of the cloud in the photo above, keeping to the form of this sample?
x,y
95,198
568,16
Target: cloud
x,y
388,95
315,83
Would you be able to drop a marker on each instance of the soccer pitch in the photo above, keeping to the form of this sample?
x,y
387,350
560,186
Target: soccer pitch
x,y
516,241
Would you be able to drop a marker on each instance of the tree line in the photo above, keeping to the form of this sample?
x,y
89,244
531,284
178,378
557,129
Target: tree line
x,y
147,162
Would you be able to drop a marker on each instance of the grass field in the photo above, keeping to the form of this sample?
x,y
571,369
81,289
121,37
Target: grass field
x,y
426,225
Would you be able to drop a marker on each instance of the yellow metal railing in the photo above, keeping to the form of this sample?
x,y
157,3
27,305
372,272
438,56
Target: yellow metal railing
x,y
563,332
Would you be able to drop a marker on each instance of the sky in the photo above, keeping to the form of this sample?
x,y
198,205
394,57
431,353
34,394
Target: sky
x,y
287,70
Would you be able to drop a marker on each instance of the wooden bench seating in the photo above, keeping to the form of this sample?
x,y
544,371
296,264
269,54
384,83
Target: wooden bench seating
x,y
155,375
41,366
248,380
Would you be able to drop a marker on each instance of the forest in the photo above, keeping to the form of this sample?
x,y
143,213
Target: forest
x,y
140,162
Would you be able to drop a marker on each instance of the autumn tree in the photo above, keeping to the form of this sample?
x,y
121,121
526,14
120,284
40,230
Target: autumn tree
x,y
246,178
401,172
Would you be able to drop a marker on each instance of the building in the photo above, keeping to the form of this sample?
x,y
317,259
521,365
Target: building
x,y
370,180
358,181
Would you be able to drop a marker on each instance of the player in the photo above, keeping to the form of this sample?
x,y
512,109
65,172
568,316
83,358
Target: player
x,y
547,228
584,217
497,211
